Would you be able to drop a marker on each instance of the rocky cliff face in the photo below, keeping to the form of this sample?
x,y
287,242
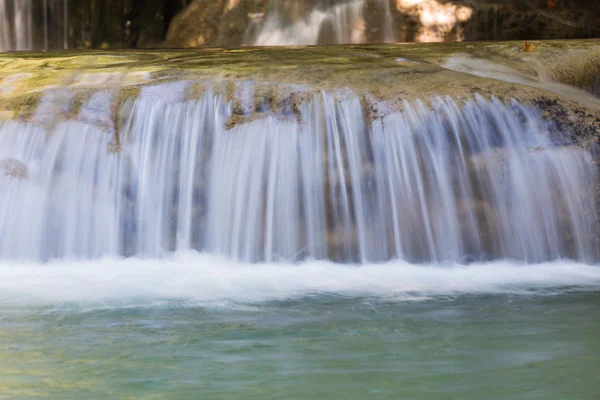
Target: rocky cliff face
x,y
211,23
122,23
533,19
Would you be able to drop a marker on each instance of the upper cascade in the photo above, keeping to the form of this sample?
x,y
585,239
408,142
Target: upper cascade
x,y
16,18
34,25
85,24
282,22
315,22
191,166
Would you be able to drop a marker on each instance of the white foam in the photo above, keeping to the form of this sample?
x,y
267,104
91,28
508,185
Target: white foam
x,y
203,278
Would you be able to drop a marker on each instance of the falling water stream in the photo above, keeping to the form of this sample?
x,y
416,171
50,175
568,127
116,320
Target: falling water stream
x,y
15,25
325,21
21,20
438,181
284,23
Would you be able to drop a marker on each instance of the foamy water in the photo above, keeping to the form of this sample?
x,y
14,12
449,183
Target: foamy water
x,y
203,278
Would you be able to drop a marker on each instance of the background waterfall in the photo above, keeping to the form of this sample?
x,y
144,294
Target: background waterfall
x,y
310,23
16,25
445,181
27,25
34,25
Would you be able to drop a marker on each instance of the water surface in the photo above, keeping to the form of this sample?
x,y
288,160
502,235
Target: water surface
x,y
201,327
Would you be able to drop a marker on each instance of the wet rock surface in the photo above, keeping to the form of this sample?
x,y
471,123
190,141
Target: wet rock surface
x,y
385,76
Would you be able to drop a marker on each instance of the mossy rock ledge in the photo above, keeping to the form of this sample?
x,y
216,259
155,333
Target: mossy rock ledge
x,y
383,76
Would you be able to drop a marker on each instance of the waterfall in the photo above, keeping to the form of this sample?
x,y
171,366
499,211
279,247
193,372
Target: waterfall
x,y
321,22
15,25
20,20
438,180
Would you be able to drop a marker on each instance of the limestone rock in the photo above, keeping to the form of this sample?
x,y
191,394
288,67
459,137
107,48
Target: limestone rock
x,y
14,168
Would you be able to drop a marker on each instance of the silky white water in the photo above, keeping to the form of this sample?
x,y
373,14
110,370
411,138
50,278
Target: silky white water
x,y
441,182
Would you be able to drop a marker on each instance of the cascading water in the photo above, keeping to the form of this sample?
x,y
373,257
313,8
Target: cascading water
x,y
323,22
21,20
440,181
16,25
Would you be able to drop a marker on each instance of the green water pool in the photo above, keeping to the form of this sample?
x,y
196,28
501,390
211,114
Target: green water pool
x,y
542,346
